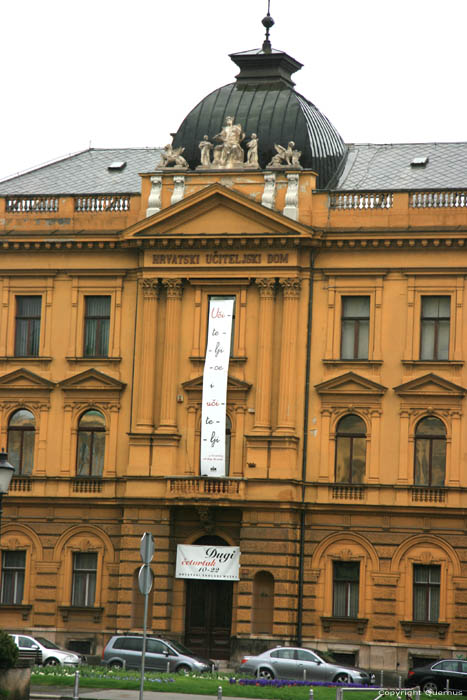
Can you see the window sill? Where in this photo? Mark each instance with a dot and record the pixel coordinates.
(359, 624)
(363, 363)
(25, 610)
(94, 360)
(428, 628)
(441, 364)
(25, 358)
(67, 610)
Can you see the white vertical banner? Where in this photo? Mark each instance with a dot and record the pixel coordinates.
(216, 369)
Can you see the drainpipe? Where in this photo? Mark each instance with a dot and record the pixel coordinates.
(301, 556)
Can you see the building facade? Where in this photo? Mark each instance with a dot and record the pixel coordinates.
(346, 483)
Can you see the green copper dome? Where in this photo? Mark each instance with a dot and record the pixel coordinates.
(264, 102)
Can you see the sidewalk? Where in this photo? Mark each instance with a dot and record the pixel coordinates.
(40, 692)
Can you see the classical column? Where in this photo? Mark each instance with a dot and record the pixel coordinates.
(147, 359)
(404, 448)
(264, 362)
(169, 368)
(287, 379)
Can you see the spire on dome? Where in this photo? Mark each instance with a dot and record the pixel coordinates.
(267, 23)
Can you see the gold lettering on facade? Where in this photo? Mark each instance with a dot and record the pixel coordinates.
(220, 259)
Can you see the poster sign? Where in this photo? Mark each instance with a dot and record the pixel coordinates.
(208, 562)
(216, 369)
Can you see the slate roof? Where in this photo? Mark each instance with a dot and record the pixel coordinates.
(387, 167)
(367, 167)
(86, 173)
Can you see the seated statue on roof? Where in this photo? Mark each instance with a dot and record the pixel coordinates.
(229, 153)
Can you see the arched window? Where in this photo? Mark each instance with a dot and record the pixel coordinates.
(430, 452)
(21, 433)
(263, 603)
(91, 444)
(350, 450)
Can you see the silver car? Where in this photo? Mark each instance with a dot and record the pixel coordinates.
(295, 663)
(125, 651)
(48, 652)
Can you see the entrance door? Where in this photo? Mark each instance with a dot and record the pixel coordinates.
(208, 618)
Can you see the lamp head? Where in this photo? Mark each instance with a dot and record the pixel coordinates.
(6, 473)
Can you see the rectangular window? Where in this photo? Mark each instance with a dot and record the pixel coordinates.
(84, 579)
(355, 328)
(426, 586)
(346, 580)
(13, 568)
(222, 298)
(96, 326)
(434, 328)
(28, 326)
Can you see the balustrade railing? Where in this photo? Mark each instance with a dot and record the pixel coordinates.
(428, 495)
(19, 205)
(438, 200)
(361, 200)
(348, 493)
(87, 486)
(106, 202)
(204, 486)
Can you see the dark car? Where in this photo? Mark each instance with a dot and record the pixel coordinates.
(295, 663)
(440, 675)
(125, 651)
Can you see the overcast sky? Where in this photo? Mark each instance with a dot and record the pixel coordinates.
(121, 73)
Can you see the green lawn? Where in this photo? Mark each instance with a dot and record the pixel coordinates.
(207, 684)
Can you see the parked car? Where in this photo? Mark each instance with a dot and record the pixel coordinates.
(297, 664)
(435, 676)
(124, 651)
(45, 651)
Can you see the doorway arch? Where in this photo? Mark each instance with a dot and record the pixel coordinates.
(208, 612)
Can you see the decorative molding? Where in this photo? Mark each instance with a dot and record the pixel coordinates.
(291, 197)
(428, 628)
(174, 287)
(154, 200)
(269, 192)
(290, 287)
(359, 624)
(150, 287)
(266, 287)
(179, 189)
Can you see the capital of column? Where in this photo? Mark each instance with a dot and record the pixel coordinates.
(266, 286)
(150, 287)
(174, 287)
(291, 287)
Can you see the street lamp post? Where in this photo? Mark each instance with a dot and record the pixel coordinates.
(6, 473)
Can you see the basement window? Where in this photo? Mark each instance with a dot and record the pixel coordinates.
(419, 162)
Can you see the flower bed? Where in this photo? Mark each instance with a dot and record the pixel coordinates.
(276, 683)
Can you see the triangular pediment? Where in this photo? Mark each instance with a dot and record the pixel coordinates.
(350, 383)
(24, 380)
(217, 210)
(430, 385)
(91, 380)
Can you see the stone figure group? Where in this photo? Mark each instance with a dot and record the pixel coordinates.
(227, 152)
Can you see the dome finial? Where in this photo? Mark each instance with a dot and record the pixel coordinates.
(267, 23)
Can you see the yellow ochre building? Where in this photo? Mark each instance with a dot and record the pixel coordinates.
(341, 471)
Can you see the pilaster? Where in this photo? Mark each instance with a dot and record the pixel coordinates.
(287, 379)
(266, 288)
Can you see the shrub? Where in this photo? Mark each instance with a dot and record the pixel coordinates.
(8, 651)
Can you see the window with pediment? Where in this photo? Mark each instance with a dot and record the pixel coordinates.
(21, 438)
(91, 444)
(430, 452)
(350, 450)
